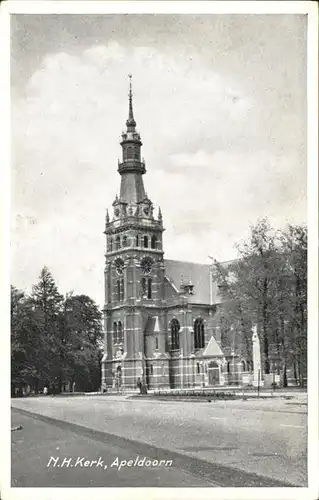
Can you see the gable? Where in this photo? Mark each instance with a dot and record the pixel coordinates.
(213, 348)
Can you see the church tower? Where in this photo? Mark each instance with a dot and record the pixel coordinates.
(134, 274)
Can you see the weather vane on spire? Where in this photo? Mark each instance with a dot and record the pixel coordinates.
(130, 120)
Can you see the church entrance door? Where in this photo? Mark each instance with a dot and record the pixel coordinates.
(213, 373)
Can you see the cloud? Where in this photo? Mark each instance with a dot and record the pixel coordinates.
(212, 163)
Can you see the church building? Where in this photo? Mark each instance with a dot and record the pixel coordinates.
(160, 316)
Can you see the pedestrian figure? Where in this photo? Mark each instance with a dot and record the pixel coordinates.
(139, 385)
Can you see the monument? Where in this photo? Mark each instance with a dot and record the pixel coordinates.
(257, 380)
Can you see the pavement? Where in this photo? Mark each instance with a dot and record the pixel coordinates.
(39, 449)
(235, 443)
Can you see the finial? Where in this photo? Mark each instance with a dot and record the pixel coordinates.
(130, 122)
(160, 217)
(107, 218)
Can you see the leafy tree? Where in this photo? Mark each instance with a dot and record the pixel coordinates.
(82, 335)
(294, 339)
(267, 286)
(25, 343)
(54, 339)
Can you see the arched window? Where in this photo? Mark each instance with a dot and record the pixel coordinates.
(198, 368)
(115, 333)
(124, 241)
(153, 242)
(199, 334)
(143, 286)
(149, 288)
(118, 242)
(120, 332)
(145, 241)
(121, 289)
(111, 245)
(129, 153)
(118, 290)
(175, 327)
(151, 369)
(244, 365)
(136, 240)
(136, 154)
(156, 342)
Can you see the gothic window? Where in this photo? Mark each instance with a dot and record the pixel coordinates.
(151, 369)
(115, 333)
(244, 366)
(121, 289)
(156, 342)
(175, 327)
(198, 368)
(199, 335)
(118, 290)
(130, 153)
(136, 154)
(143, 286)
(153, 242)
(136, 241)
(145, 241)
(111, 245)
(149, 288)
(120, 332)
(118, 242)
(124, 241)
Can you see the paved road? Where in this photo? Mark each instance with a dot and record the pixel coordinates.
(40, 447)
(231, 444)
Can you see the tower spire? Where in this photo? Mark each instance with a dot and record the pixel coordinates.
(130, 123)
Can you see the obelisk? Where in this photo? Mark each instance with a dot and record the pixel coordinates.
(256, 357)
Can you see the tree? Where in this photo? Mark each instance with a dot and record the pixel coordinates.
(82, 341)
(54, 339)
(267, 286)
(250, 285)
(48, 304)
(25, 346)
(294, 251)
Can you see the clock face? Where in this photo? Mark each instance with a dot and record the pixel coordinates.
(146, 265)
(117, 212)
(119, 266)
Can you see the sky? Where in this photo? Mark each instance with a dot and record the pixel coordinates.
(219, 101)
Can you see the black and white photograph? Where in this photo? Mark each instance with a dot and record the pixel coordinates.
(162, 197)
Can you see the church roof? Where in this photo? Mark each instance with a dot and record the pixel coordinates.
(213, 348)
(178, 271)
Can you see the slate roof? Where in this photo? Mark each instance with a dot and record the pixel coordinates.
(177, 271)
